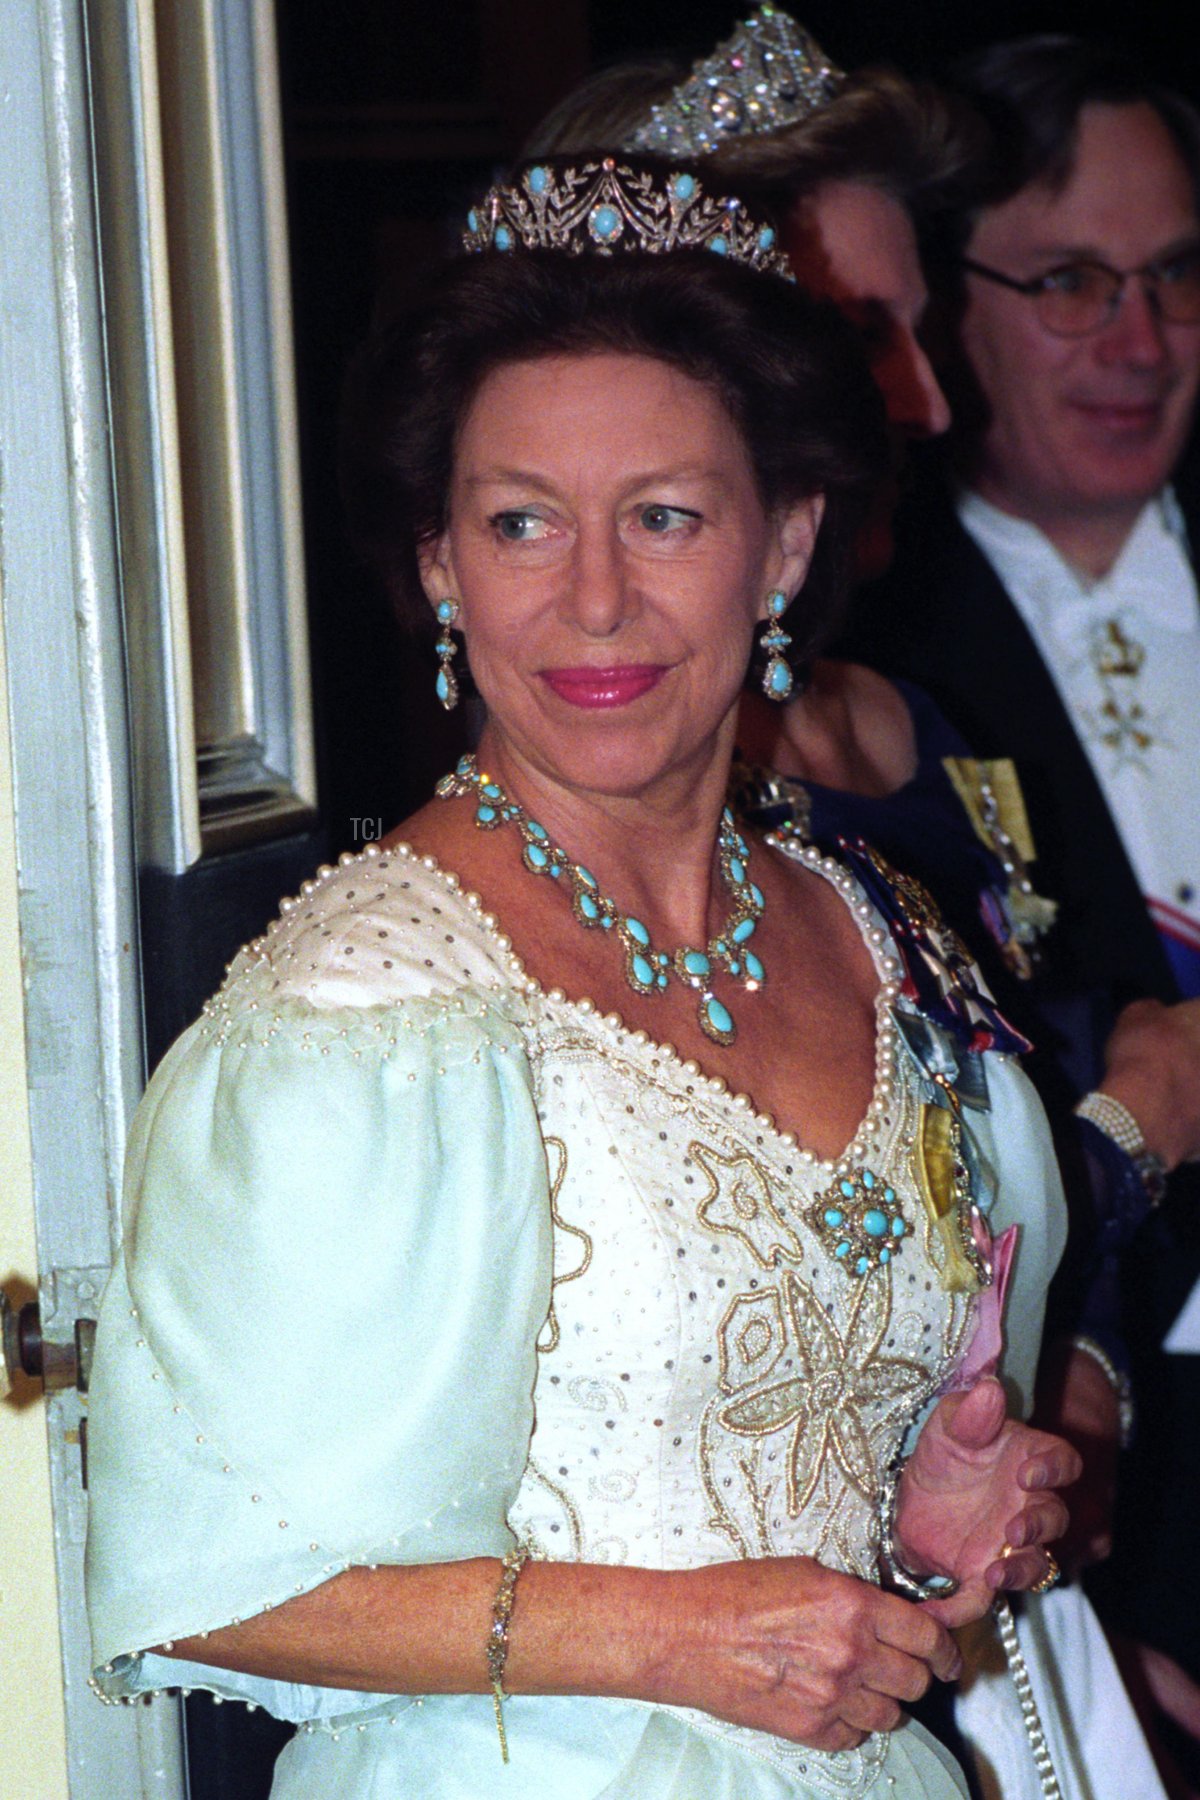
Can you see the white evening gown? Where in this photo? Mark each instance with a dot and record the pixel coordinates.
(419, 1255)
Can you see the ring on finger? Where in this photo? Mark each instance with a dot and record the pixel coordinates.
(1051, 1578)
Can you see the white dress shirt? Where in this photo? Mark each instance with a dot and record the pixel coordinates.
(1124, 653)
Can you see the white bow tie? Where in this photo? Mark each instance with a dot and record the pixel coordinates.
(1154, 587)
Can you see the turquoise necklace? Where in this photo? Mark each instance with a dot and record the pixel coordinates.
(647, 970)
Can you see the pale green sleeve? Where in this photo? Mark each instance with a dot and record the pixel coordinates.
(319, 1348)
(1015, 1139)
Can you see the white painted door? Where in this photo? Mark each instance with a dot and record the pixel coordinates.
(103, 629)
(72, 818)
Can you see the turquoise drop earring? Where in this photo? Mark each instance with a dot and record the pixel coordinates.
(447, 650)
(777, 676)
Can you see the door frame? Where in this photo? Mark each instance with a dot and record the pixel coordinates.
(115, 584)
(72, 818)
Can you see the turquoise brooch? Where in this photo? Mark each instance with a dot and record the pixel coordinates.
(647, 969)
(860, 1221)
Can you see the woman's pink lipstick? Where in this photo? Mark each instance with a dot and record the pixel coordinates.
(604, 687)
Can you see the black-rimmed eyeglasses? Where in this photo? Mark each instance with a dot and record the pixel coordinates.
(1077, 298)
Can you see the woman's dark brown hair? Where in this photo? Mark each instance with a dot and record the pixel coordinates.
(789, 371)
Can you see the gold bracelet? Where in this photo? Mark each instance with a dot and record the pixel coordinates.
(497, 1644)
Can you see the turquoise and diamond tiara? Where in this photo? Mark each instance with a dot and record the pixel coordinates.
(768, 74)
(606, 206)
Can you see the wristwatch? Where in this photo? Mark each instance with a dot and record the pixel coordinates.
(1118, 1123)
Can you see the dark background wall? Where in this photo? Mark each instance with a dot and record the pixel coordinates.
(396, 115)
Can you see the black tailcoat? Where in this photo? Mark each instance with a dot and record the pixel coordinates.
(942, 618)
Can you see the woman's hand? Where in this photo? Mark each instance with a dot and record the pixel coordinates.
(976, 1484)
(788, 1646)
(781, 1644)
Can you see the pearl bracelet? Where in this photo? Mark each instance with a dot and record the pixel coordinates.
(1117, 1380)
(1118, 1124)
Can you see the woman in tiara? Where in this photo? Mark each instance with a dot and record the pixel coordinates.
(662, 1192)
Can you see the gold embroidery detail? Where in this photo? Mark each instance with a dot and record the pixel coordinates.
(751, 1330)
(559, 1175)
(758, 1502)
(954, 1330)
(744, 1199)
(720, 1519)
(840, 1379)
(565, 1501)
(739, 1204)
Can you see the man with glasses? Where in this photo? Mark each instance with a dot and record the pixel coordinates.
(1049, 601)
(1047, 597)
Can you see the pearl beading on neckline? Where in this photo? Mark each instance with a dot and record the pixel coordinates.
(513, 979)
(664, 1056)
